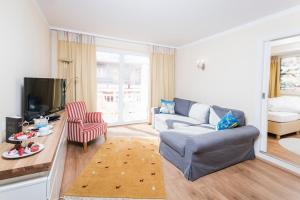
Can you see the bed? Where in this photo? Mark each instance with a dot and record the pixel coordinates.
(283, 123)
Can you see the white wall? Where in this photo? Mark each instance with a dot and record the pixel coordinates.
(24, 51)
(234, 64)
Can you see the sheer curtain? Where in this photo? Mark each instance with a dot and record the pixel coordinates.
(77, 64)
(274, 84)
(162, 63)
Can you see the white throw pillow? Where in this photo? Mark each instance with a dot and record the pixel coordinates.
(200, 112)
(213, 117)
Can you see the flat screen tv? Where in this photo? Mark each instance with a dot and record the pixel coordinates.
(43, 96)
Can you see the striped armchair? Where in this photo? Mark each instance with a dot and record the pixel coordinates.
(84, 126)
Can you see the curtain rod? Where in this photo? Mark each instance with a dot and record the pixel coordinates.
(109, 38)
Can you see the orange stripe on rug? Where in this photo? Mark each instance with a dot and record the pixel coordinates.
(122, 168)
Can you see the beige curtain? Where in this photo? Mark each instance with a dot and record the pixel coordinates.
(274, 85)
(162, 63)
(77, 64)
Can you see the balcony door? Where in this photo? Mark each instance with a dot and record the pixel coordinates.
(122, 86)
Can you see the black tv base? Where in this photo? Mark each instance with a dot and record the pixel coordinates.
(53, 117)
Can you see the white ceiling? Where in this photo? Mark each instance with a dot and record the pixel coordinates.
(168, 22)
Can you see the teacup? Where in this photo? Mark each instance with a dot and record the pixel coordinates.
(44, 130)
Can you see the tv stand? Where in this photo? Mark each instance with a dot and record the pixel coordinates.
(53, 117)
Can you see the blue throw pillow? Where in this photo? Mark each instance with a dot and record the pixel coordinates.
(167, 107)
(228, 121)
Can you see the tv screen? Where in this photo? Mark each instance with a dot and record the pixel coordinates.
(43, 96)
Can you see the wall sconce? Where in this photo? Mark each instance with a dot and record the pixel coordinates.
(201, 64)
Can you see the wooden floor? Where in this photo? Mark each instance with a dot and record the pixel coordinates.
(275, 149)
(248, 180)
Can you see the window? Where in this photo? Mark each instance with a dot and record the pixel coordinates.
(122, 86)
(290, 73)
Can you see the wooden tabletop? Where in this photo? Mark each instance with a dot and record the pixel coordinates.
(39, 162)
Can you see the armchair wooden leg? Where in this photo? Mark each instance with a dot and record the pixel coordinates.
(105, 135)
(278, 137)
(85, 147)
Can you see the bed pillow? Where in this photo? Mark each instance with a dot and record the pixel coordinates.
(228, 121)
(167, 107)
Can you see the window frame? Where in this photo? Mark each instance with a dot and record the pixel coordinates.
(122, 53)
(295, 91)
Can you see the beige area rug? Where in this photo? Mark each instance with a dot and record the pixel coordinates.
(123, 168)
(291, 144)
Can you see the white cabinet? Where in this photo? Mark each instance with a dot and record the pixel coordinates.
(41, 186)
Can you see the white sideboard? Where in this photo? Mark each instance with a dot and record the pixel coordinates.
(45, 182)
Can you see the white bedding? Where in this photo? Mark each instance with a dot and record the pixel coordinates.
(283, 116)
(284, 104)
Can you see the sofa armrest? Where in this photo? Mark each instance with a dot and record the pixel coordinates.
(93, 117)
(219, 139)
(155, 110)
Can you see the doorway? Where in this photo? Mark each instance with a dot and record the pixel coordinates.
(280, 113)
(122, 86)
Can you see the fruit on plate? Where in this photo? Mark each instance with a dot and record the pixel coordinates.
(17, 149)
(20, 149)
(17, 135)
(30, 144)
(34, 148)
(24, 135)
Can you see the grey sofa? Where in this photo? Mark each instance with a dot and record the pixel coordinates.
(194, 146)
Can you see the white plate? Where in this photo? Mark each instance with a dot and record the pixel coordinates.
(6, 155)
(41, 135)
(11, 138)
(50, 126)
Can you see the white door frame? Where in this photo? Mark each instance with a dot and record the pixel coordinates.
(264, 97)
(265, 84)
(263, 107)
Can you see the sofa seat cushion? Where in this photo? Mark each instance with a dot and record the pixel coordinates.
(176, 138)
(169, 121)
(193, 130)
(175, 141)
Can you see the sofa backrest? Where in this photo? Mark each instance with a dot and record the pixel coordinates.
(182, 106)
(217, 111)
